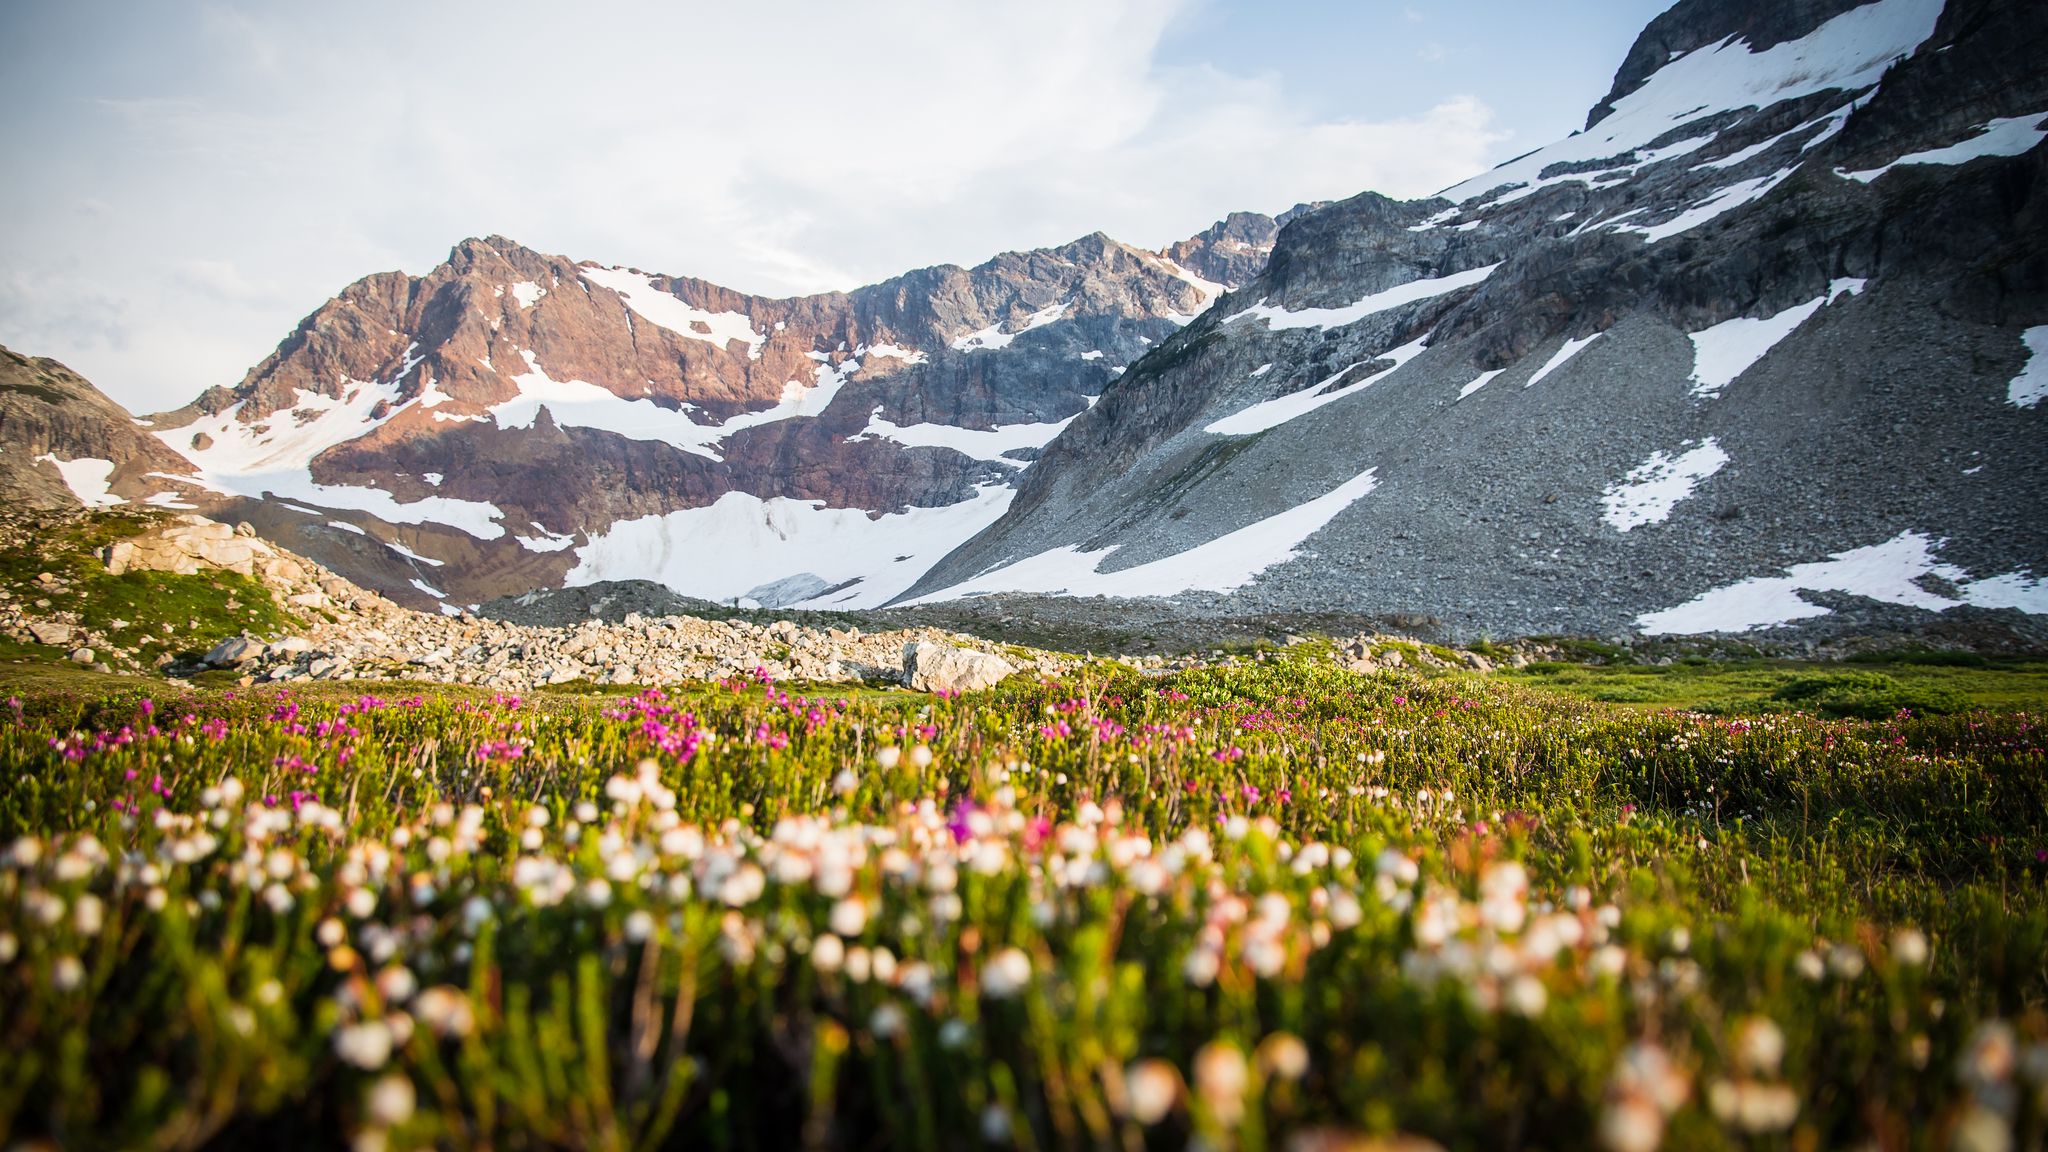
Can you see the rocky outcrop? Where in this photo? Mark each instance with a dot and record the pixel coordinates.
(189, 544)
(1745, 349)
(930, 666)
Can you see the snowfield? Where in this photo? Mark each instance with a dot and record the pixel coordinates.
(1280, 319)
(743, 542)
(87, 478)
(667, 310)
(1224, 564)
(1732, 347)
(1654, 487)
(1279, 410)
(1889, 573)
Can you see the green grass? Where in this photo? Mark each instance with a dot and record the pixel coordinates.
(1759, 686)
(161, 614)
(1083, 888)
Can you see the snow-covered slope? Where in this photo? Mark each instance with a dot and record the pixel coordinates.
(1753, 348)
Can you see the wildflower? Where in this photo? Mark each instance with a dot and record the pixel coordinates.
(366, 1045)
(88, 914)
(849, 916)
(1283, 1056)
(1526, 995)
(67, 973)
(1006, 974)
(1909, 947)
(1631, 1124)
(444, 1010)
(888, 756)
(1221, 1078)
(639, 925)
(1759, 1046)
(828, 953)
(390, 1101)
(887, 1021)
(1150, 1089)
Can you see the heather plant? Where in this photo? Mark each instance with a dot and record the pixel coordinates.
(1271, 905)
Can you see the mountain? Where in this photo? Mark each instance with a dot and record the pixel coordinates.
(514, 420)
(1764, 343)
(63, 442)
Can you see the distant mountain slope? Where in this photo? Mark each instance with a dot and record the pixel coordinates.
(514, 420)
(63, 442)
(1765, 341)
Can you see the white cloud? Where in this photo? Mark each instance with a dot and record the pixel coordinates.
(274, 155)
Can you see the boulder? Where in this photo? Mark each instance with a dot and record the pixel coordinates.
(50, 632)
(930, 667)
(233, 651)
(82, 656)
(187, 545)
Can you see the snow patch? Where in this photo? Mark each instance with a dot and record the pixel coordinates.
(667, 310)
(993, 337)
(892, 352)
(345, 526)
(2005, 136)
(1719, 203)
(411, 555)
(528, 293)
(545, 542)
(273, 457)
(1653, 488)
(1728, 349)
(1279, 319)
(429, 589)
(1224, 564)
(743, 542)
(1279, 410)
(1889, 573)
(579, 404)
(1481, 382)
(982, 444)
(2027, 388)
(1570, 349)
(87, 477)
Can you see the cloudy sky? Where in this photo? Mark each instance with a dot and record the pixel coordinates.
(186, 179)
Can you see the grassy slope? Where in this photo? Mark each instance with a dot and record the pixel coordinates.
(165, 614)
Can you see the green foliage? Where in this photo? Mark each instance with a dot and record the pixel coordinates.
(1868, 695)
(159, 613)
(1469, 906)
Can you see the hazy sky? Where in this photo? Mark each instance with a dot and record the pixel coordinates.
(185, 180)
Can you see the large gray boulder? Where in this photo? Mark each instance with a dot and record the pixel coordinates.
(234, 650)
(931, 667)
(50, 632)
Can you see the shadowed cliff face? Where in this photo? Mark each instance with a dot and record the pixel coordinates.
(1770, 308)
(510, 408)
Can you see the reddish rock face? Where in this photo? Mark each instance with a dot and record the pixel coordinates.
(48, 413)
(554, 400)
